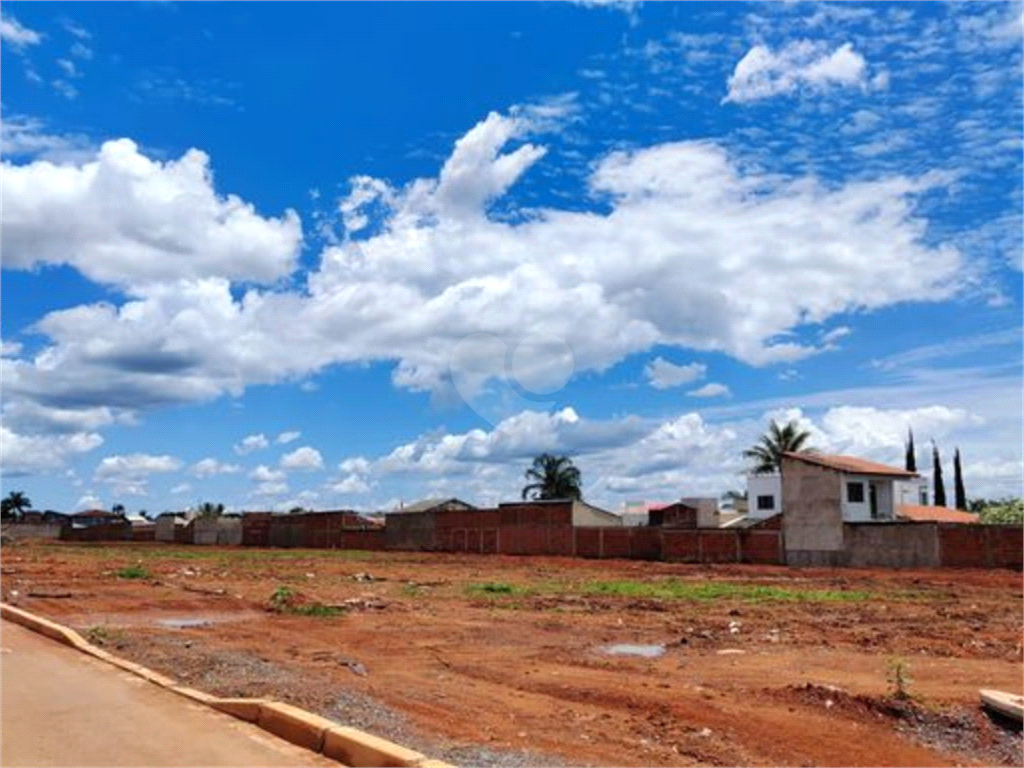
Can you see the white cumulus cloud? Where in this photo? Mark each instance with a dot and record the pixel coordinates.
(251, 443)
(303, 458)
(710, 390)
(123, 219)
(662, 374)
(16, 34)
(209, 467)
(763, 73)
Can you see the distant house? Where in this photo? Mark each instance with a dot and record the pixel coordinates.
(866, 489)
(56, 518)
(431, 505)
(91, 517)
(821, 492)
(678, 515)
(582, 514)
(707, 510)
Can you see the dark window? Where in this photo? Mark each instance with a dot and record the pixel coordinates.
(766, 502)
(855, 493)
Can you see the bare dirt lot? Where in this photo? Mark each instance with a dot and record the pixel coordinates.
(512, 661)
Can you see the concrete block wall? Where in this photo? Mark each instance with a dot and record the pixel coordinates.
(19, 531)
(813, 522)
(889, 545)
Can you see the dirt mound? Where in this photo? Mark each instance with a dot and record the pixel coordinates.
(959, 730)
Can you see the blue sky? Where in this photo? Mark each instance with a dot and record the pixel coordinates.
(342, 255)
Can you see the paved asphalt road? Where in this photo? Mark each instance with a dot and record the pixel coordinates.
(60, 707)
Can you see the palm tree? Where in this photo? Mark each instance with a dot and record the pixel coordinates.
(553, 477)
(14, 505)
(767, 454)
(207, 509)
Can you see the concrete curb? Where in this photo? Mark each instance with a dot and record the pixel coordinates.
(348, 746)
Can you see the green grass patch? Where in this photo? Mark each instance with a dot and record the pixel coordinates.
(287, 600)
(721, 590)
(498, 589)
(134, 572)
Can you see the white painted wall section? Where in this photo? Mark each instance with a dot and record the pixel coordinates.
(760, 487)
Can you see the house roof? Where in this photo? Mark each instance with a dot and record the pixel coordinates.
(850, 464)
(921, 514)
(425, 505)
(96, 513)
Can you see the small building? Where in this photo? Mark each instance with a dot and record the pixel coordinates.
(707, 510)
(431, 505)
(678, 515)
(93, 517)
(821, 492)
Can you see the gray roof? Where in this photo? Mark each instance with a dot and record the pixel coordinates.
(425, 505)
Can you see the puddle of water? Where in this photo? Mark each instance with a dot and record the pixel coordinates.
(183, 623)
(630, 649)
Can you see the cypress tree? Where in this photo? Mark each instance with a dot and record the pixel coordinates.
(940, 488)
(958, 482)
(911, 458)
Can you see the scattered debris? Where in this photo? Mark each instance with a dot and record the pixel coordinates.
(204, 590)
(364, 603)
(734, 627)
(631, 649)
(730, 651)
(363, 576)
(354, 666)
(53, 595)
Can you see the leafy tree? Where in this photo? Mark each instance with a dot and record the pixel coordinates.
(940, 488)
(1003, 512)
(958, 482)
(14, 505)
(117, 509)
(910, 462)
(296, 511)
(553, 477)
(207, 509)
(734, 496)
(767, 454)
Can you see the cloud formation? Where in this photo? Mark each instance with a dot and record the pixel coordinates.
(763, 72)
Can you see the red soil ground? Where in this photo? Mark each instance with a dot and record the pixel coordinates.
(763, 665)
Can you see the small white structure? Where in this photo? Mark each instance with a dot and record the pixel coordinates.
(764, 495)
(911, 493)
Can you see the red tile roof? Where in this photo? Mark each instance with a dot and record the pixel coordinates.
(921, 514)
(850, 464)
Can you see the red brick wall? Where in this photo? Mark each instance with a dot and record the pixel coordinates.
(256, 530)
(981, 546)
(588, 542)
(144, 533)
(719, 546)
(761, 546)
(644, 544)
(615, 542)
(680, 545)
